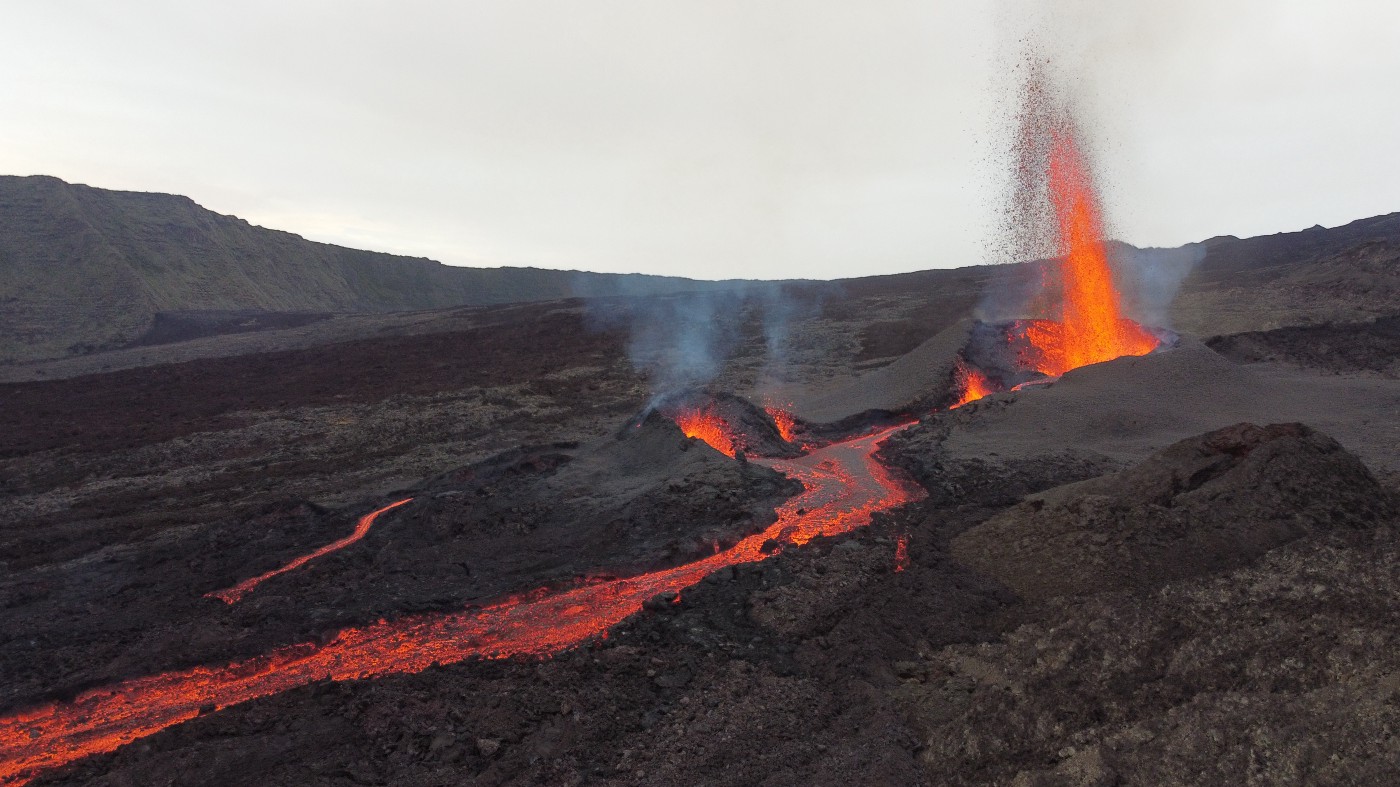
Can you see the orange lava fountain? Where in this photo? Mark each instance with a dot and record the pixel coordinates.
(783, 420)
(843, 485)
(1091, 327)
(233, 594)
(971, 383)
(707, 425)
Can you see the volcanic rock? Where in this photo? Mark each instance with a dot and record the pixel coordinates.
(920, 377)
(1369, 346)
(88, 269)
(1204, 504)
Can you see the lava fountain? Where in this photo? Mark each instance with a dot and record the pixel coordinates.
(705, 423)
(1091, 326)
(1056, 208)
(843, 485)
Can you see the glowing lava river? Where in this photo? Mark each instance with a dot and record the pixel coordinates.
(843, 486)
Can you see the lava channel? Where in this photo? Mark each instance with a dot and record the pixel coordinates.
(233, 594)
(843, 485)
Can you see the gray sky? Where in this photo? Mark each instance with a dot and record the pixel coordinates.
(705, 138)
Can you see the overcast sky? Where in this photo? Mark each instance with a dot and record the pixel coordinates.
(706, 138)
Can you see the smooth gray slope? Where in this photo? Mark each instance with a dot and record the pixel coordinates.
(83, 269)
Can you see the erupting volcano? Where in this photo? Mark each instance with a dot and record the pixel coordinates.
(1080, 319)
(1090, 327)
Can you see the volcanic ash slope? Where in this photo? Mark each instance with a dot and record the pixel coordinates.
(1127, 408)
(917, 379)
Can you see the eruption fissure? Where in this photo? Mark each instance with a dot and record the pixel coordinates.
(706, 424)
(843, 485)
(233, 594)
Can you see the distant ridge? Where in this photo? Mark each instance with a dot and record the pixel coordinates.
(85, 269)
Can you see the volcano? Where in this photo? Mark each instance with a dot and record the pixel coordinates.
(586, 581)
(926, 531)
(1083, 320)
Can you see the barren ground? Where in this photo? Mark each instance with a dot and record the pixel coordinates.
(130, 492)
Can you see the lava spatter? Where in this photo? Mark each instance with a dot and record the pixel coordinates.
(843, 485)
(783, 421)
(706, 424)
(970, 383)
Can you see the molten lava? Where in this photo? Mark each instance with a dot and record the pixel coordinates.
(1090, 326)
(706, 424)
(843, 485)
(901, 554)
(233, 594)
(783, 420)
(971, 384)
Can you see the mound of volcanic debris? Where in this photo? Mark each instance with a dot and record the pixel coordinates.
(1240, 627)
(730, 424)
(917, 380)
(1207, 503)
(1346, 347)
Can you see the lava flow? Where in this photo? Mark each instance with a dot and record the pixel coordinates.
(843, 485)
(233, 594)
(706, 424)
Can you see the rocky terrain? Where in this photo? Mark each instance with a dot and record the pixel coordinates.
(1173, 569)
